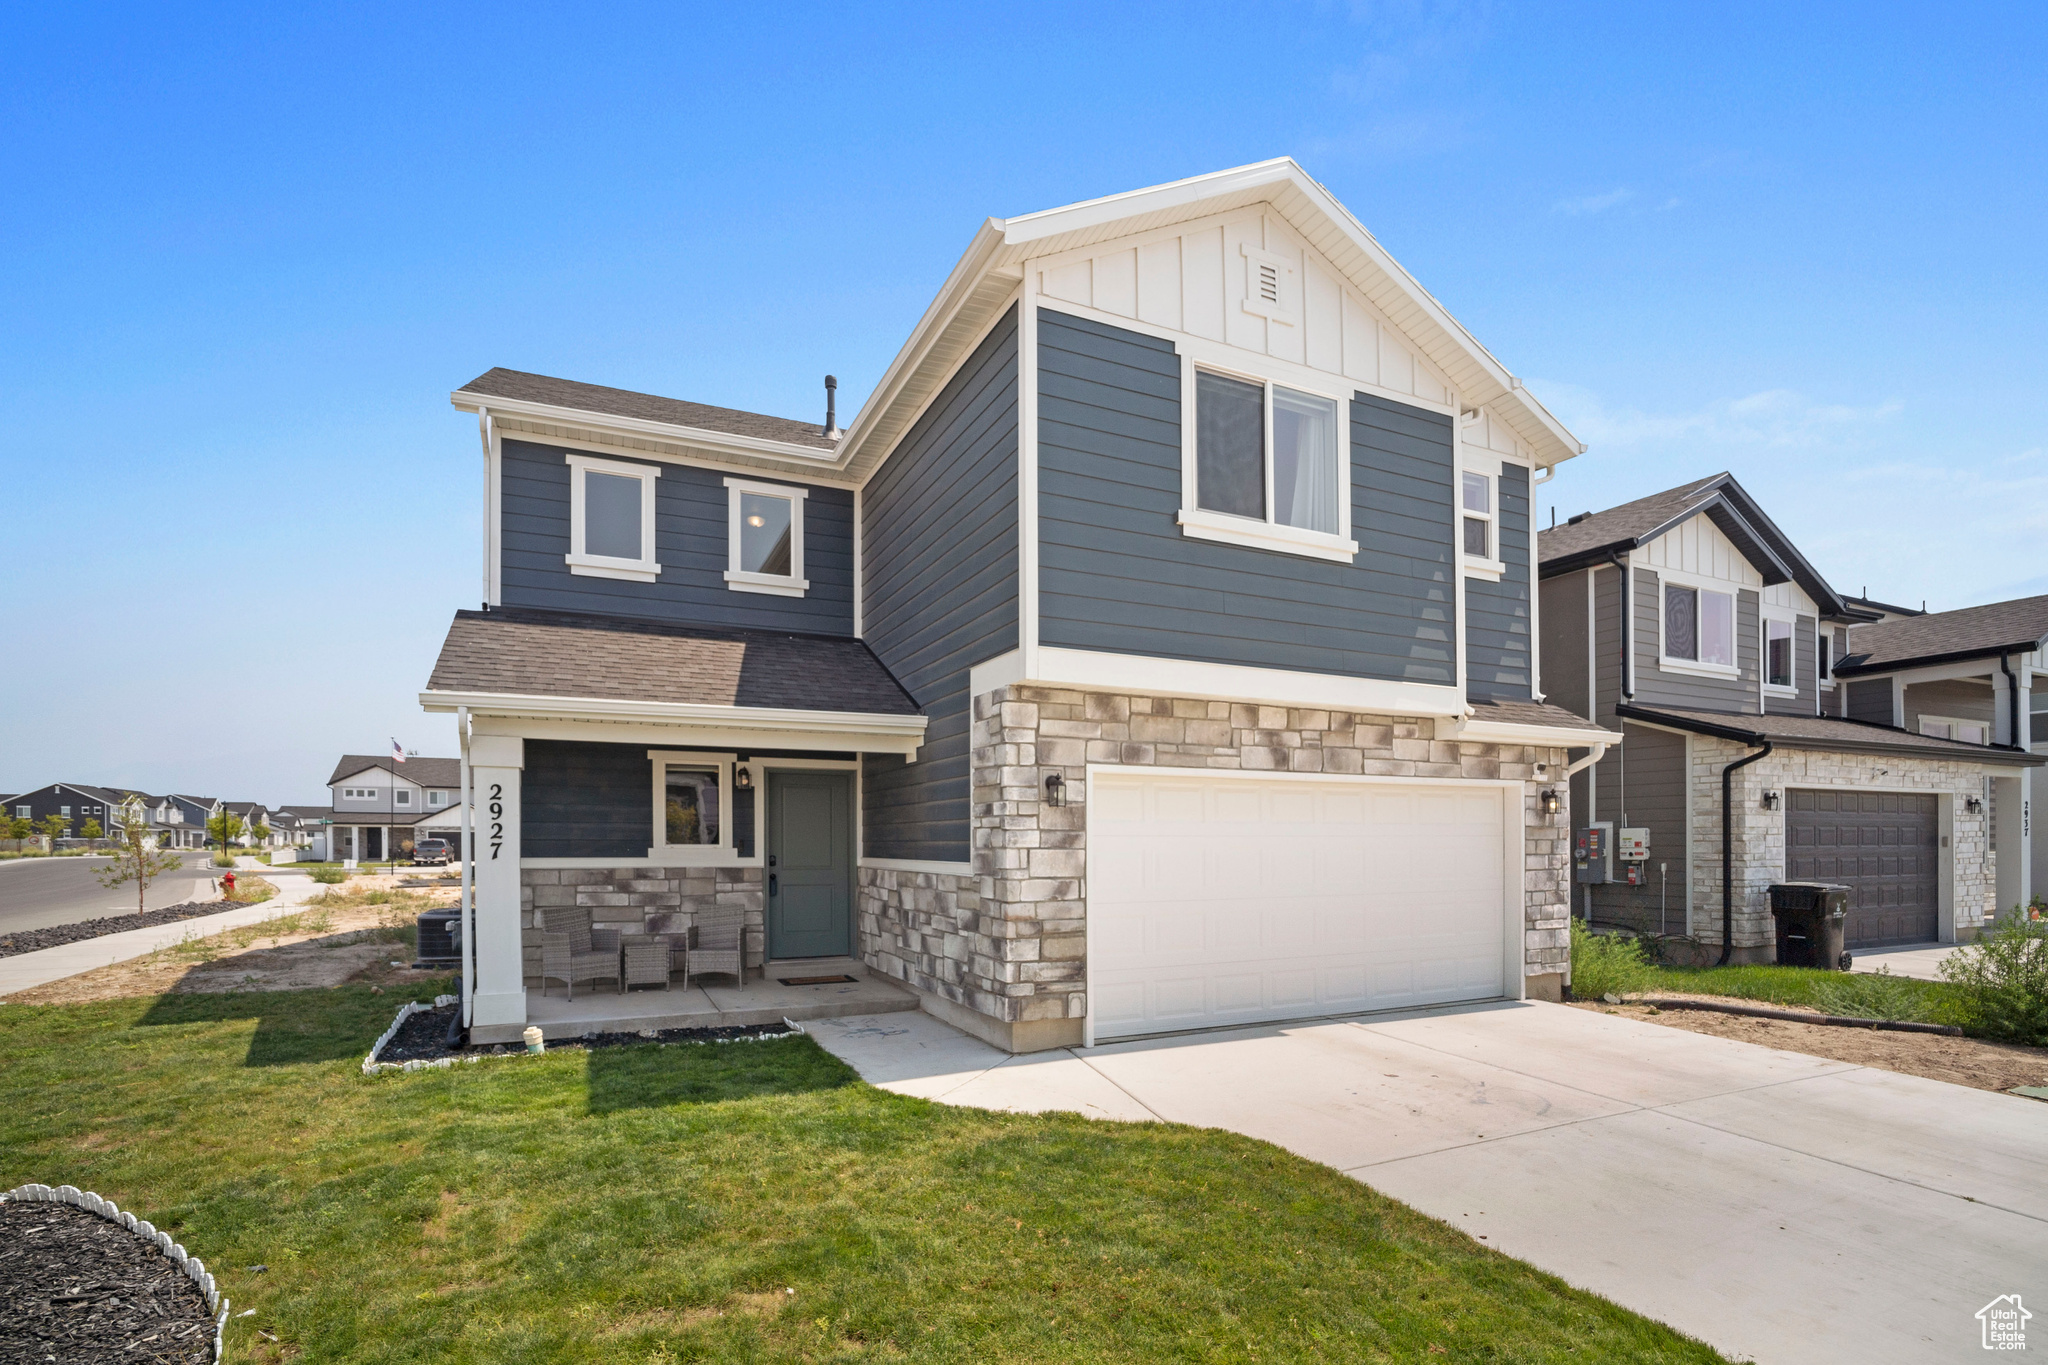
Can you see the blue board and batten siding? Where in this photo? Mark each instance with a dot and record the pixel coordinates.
(939, 546)
(690, 543)
(1497, 663)
(1116, 574)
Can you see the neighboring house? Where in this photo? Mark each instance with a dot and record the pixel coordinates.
(1965, 675)
(381, 804)
(309, 826)
(193, 813)
(77, 802)
(1154, 650)
(1732, 647)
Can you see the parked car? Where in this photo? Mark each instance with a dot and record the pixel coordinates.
(431, 851)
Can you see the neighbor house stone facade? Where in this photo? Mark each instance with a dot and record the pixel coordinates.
(1757, 841)
(1002, 951)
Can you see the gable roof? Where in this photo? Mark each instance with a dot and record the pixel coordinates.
(1593, 538)
(424, 772)
(572, 396)
(1940, 637)
(980, 288)
(1833, 733)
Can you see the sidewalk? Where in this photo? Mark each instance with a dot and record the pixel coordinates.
(26, 970)
(1923, 962)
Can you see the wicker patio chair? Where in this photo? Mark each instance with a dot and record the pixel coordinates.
(572, 951)
(718, 948)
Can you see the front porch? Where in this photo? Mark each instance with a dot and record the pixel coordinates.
(713, 1003)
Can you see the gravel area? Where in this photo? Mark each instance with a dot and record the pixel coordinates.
(75, 1288)
(30, 940)
(423, 1038)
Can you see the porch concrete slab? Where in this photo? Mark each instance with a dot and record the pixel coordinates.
(605, 1010)
(1922, 961)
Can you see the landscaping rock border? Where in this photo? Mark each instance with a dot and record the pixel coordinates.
(194, 1268)
(57, 935)
(686, 1036)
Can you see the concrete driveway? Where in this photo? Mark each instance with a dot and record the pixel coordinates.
(1782, 1207)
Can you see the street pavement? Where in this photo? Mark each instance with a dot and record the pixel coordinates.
(36, 893)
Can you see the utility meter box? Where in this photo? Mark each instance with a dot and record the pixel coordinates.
(1593, 855)
(1632, 844)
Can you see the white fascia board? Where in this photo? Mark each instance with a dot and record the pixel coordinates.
(1153, 676)
(721, 442)
(678, 713)
(1502, 732)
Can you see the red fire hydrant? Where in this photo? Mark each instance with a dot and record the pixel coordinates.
(227, 886)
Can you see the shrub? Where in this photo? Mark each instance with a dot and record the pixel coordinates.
(329, 876)
(223, 859)
(1607, 964)
(1871, 995)
(2001, 982)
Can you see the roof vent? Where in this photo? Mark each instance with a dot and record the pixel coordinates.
(1574, 521)
(831, 406)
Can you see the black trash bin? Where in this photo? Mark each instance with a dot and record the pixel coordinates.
(440, 938)
(1812, 918)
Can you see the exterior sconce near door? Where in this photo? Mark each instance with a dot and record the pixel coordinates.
(1770, 800)
(1055, 790)
(743, 778)
(1550, 801)
(1974, 805)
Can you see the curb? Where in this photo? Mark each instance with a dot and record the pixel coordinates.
(194, 1268)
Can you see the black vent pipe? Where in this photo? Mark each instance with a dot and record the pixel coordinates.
(1727, 850)
(831, 404)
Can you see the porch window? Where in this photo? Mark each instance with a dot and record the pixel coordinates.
(611, 519)
(765, 538)
(1699, 626)
(1265, 468)
(1778, 654)
(693, 822)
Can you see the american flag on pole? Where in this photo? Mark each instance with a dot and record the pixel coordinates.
(397, 751)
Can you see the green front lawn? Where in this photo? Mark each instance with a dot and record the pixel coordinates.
(655, 1205)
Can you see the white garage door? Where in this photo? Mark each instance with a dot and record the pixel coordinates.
(1218, 900)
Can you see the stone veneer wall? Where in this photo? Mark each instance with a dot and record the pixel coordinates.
(623, 898)
(1007, 943)
(1757, 845)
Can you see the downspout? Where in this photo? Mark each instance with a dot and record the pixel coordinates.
(2012, 693)
(1626, 592)
(1727, 850)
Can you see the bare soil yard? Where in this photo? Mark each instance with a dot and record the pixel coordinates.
(1960, 1061)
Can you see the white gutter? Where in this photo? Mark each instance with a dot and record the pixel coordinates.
(722, 442)
(689, 713)
(1599, 752)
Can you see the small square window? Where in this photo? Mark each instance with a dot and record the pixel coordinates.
(436, 798)
(403, 798)
(765, 538)
(611, 519)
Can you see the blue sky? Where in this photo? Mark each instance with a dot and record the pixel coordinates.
(248, 252)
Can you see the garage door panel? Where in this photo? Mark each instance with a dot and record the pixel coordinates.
(1888, 857)
(1223, 901)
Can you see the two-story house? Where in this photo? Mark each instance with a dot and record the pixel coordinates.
(382, 805)
(1155, 650)
(78, 804)
(1727, 662)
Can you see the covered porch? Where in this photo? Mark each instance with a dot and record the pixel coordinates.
(797, 990)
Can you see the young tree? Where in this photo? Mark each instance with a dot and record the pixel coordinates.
(18, 827)
(261, 833)
(55, 827)
(225, 828)
(91, 830)
(136, 858)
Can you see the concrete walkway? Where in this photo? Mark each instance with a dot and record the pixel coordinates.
(1784, 1208)
(24, 971)
(1922, 961)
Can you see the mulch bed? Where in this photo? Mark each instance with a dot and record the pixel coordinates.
(30, 940)
(77, 1288)
(423, 1038)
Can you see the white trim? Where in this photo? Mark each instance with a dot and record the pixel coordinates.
(1488, 565)
(595, 444)
(631, 731)
(1201, 524)
(724, 853)
(1027, 470)
(791, 584)
(889, 733)
(1506, 732)
(579, 559)
(1725, 671)
(1514, 839)
(1458, 655)
(1265, 533)
(1086, 668)
(1536, 610)
(494, 519)
(1285, 307)
(1698, 667)
(859, 569)
(1000, 671)
(1490, 570)
(721, 442)
(919, 865)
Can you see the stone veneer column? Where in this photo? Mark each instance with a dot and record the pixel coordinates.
(496, 762)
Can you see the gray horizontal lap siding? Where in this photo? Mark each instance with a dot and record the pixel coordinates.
(1643, 785)
(939, 554)
(690, 544)
(1497, 614)
(1116, 574)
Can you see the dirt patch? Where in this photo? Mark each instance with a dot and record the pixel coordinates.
(319, 945)
(1959, 1061)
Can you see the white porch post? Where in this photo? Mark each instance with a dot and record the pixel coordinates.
(495, 763)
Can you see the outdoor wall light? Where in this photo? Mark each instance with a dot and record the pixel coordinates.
(743, 778)
(1974, 805)
(1551, 802)
(1770, 800)
(1055, 790)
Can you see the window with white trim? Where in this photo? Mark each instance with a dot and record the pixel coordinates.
(358, 793)
(692, 808)
(402, 797)
(765, 538)
(1778, 653)
(1948, 727)
(24, 812)
(1476, 504)
(1265, 467)
(436, 798)
(611, 519)
(1824, 657)
(1699, 626)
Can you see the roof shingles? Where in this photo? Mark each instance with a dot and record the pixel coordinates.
(647, 407)
(2016, 625)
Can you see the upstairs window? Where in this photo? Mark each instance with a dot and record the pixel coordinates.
(402, 797)
(1699, 627)
(358, 794)
(436, 798)
(1266, 468)
(1948, 727)
(1476, 501)
(1824, 658)
(611, 519)
(765, 538)
(1778, 654)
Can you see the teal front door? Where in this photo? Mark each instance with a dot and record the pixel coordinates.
(810, 864)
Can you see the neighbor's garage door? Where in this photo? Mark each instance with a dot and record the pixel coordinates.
(1884, 846)
(1225, 901)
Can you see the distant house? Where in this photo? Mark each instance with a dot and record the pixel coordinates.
(381, 804)
(75, 803)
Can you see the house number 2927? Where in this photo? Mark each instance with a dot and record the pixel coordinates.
(497, 818)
